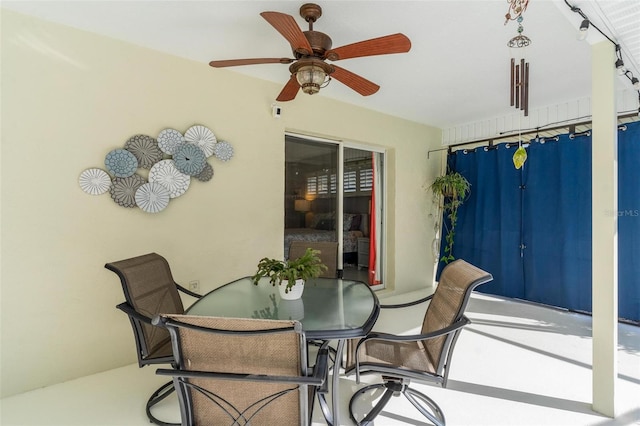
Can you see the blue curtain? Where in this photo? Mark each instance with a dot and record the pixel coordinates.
(557, 223)
(488, 228)
(629, 222)
(531, 228)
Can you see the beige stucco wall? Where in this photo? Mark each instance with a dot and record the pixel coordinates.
(68, 98)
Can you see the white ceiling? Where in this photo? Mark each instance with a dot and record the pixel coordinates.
(456, 72)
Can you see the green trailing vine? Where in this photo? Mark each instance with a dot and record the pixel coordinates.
(450, 191)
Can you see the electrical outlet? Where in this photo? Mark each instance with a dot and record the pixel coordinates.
(194, 285)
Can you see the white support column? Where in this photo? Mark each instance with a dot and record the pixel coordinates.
(604, 229)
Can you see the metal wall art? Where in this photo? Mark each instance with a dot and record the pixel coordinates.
(165, 173)
(145, 149)
(95, 181)
(171, 159)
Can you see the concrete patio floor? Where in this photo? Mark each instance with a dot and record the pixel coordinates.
(516, 364)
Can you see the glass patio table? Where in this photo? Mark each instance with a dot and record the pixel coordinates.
(330, 309)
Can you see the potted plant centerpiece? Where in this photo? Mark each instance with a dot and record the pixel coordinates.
(449, 192)
(291, 274)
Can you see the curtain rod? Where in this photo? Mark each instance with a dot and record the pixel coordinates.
(531, 131)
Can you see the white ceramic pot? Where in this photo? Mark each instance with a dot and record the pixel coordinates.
(294, 292)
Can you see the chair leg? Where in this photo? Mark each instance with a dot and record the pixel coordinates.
(377, 409)
(324, 406)
(433, 413)
(423, 403)
(160, 394)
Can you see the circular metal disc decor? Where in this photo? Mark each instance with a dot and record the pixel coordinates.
(223, 151)
(189, 159)
(169, 139)
(166, 174)
(121, 163)
(206, 174)
(94, 181)
(146, 150)
(123, 190)
(201, 136)
(152, 197)
(172, 160)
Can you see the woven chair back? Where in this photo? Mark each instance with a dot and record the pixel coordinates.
(150, 289)
(457, 281)
(220, 402)
(328, 254)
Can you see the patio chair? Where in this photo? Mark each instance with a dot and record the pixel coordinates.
(149, 290)
(239, 371)
(328, 254)
(329, 257)
(425, 357)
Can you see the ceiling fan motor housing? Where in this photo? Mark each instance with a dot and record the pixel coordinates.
(320, 43)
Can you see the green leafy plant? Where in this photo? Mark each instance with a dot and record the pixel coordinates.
(450, 191)
(305, 267)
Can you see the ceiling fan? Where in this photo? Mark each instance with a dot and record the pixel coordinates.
(311, 49)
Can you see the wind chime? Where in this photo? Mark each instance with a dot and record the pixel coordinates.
(519, 83)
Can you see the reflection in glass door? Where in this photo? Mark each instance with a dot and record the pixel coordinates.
(311, 195)
(315, 197)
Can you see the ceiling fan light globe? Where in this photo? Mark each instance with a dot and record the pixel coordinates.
(310, 89)
(311, 78)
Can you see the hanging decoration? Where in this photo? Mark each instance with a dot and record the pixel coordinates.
(519, 84)
(520, 156)
(519, 76)
(516, 9)
(171, 159)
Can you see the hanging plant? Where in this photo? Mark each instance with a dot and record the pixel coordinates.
(450, 191)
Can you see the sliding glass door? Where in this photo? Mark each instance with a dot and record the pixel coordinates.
(336, 189)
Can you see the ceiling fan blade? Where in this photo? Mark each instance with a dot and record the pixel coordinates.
(289, 91)
(354, 81)
(255, 61)
(394, 43)
(286, 25)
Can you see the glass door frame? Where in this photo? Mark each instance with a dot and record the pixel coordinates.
(342, 144)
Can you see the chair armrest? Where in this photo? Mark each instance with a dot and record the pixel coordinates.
(187, 291)
(301, 380)
(127, 309)
(404, 305)
(414, 337)
(407, 338)
(319, 377)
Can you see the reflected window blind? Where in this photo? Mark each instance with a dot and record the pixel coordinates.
(350, 181)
